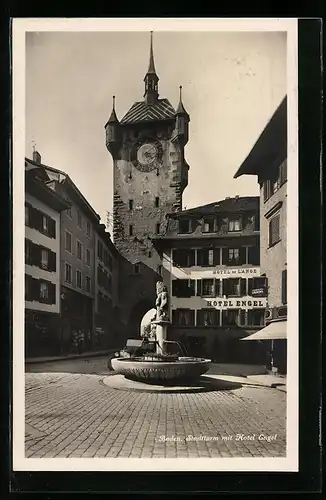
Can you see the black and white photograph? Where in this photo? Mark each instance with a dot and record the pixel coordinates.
(156, 273)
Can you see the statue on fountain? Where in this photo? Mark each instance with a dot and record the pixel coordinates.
(162, 302)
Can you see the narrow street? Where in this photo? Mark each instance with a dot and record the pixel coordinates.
(70, 412)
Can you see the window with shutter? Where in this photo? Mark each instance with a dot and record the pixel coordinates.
(51, 228)
(284, 287)
(253, 255)
(225, 287)
(234, 287)
(27, 215)
(44, 258)
(242, 255)
(52, 293)
(35, 290)
(243, 287)
(225, 256)
(250, 286)
(208, 287)
(36, 255)
(274, 230)
(217, 256)
(44, 292)
(28, 252)
(52, 261)
(28, 287)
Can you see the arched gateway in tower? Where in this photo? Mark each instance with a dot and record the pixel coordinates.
(149, 176)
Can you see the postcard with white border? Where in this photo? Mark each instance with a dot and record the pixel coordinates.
(155, 279)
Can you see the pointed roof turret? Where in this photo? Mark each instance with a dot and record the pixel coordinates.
(151, 66)
(180, 109)
(151, 79)
(113, 118)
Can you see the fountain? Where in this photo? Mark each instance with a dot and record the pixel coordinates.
(148, 359)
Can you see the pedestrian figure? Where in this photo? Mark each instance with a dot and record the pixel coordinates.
(80, 341)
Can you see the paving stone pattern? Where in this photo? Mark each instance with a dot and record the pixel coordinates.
(76, 415)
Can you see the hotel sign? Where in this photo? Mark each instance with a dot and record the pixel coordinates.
(250, 271)
(237, 304)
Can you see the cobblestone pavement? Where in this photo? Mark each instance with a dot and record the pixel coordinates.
(97, 365)
(76, 415)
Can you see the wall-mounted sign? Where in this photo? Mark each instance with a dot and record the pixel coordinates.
(237, 304)
(212, 272)
(245, 302)
(230, 272)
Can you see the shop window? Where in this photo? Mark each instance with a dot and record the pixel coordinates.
(183, 288)
(256, 317)
(183, 317)
(208, 317)
(274, 230)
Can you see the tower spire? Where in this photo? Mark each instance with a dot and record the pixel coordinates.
(151, 79)
(180, 109)
(151, 66)
(113, 117)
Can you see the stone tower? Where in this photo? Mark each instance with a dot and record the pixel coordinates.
(150, 171)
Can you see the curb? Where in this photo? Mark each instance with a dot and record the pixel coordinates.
(84, 355)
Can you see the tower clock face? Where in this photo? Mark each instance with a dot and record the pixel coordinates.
(146, 156)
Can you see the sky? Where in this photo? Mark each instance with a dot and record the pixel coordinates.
(232, 83)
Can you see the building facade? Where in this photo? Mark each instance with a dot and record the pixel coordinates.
(107, 310)
(150, 174)
(268, 160)
(212, 270)
(78, 278)
(43, 209)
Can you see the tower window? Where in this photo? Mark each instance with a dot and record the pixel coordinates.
(158, 228)
(131, 204)
(131, 230)
(157, 202)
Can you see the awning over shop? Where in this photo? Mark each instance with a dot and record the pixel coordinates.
(273, 331)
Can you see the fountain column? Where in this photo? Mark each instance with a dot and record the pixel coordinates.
(161, 334)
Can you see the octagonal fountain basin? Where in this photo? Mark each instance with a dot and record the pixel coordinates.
(161, 371)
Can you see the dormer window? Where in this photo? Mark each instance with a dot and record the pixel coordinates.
(184, 226)
(208, 225)
(235, 224)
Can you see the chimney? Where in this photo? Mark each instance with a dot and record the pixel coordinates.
(37, 157)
